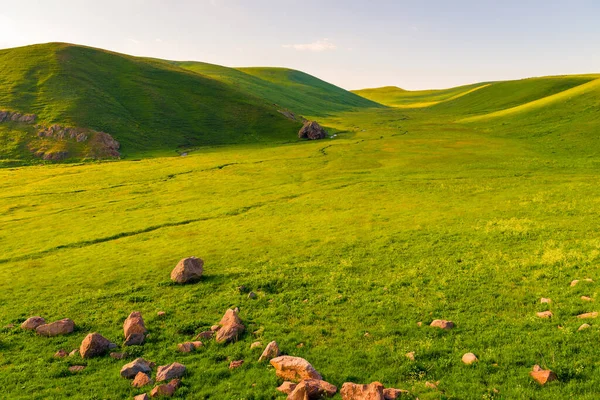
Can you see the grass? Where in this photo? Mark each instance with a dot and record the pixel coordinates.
(408, 215)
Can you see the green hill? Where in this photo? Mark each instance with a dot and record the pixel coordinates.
(286, 88)
(149, 106)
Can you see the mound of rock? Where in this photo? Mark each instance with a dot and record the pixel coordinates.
(294, 369)
(62, 327)
(188, 270)
(312, 131)
(231, 327)
(134, 329)
(94, 345)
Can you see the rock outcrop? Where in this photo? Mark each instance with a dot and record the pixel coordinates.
(188, 270)
(312, 131)
(294, 369)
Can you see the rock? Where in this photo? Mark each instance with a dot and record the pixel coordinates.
(353, 391)
(161, 314)
(76, 368)
(583, 327)
(32, 323)
(60, 354)
(542, 376)
(442, 324)
(170, 371)
(117, 356)
(432, 385)
(545, 300)
(287, 387)
(236, 364)
(312, 389)
(270, 352)
(141, 380)
(544, 314)
(188, 347)
(130, 370)
(410, 355)
(242, 289)
(62, 327)
(252, 295)
(215, 328)
(469, 358)
(312, 130)
(9, 326)
(574, 282)
(103, 145)
(255, 345)
(134, 325)
(588, 315)
(586, 298)
(142, 396)
(188, 270)
(112, 346)
(94, 345)
(231, 327)
(205, 335)
(393, 394)
(74, 352)
(162, 390)
(419, 324)
(294, 368)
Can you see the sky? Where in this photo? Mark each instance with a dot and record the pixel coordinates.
(418, 44)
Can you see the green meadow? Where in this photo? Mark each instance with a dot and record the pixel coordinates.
(468, 204)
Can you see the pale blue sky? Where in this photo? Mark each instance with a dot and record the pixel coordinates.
(352, 43)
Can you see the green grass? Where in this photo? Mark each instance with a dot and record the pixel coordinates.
(408, 215)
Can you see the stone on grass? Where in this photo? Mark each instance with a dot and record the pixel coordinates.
(586, 298)
(255, 345)
(542, 376)
(161, 314)
(236, 364)
(252, 295)
(215, 328)
(432, 385)
(117, 356)
(188, 347)
(312, 131)
(204, 335)
(188, 270)
(166, 390)
(287, 387)
(231, 327)
(469, 358)
(130, 370)
(270, 352)
(94, 345)
(584, 327)
(141, 379)
(312, 389)
(62, 327)
(294, 368)
(142, 396)
(353, 391)
(574, 282)
(135, 339)
(394, 394)
(134, 329)
(74, 352)
(60, 354)
(588, 315)
(171, 371)
(410, 355)
(76, 368)
(544, 314)
(545, 300)
(32, 323)
(442, 324)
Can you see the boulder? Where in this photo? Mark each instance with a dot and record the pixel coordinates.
(61, 354)
(166, 390)
(236, 364)
(442, 324)
(161, 314)
(393, 394)
(231, 327)
(188, 270)
(76, 368)
(588, 315)
(312, 131)
(270, 352)
(117, 356)
(62, 327)
(130, 370)
(469, 358)
(94, 345)
(353, 391)
(287, 387)
(255, 345)
(32, 323)
(432, 385)
(544, 314)
(586, 298)
(583, 327)
(410, 355)
(188, 347)
(205, 335)
(294, 368)
(171, 371)
(312, 389)
(545, 300)
(142, 396)
(134, 329)
(141, 379)
(542, 376)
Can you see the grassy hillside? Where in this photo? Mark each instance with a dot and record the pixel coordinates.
(288, 89)
(148, 105)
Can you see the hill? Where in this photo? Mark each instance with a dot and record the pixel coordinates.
(286, 88)
(149, 106)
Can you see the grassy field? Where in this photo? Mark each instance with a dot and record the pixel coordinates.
(410, 214)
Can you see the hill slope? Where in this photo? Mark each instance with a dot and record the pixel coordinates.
(288, 89)
(147, 105)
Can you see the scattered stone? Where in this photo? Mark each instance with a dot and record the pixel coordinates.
(544, 314)
(130, 370)
(270, 352)
(574, 282)
(252, 295)
(294, 368)
(287, 387)
(588, 315)
(171, 371)
(161, 314)
(188, 347)
(166, 390)
(141, 379)
(394, 394)
(62, 327)
(586, 298)
(134, 329)
(312, 389)
(255, 345)
(204, 335)
(236, 364)
(545, 300)
(542, 376)
(419, 324)
(76, 368)
(312, 130)
(74, 352)
(410, 355)
(353, 391)
(584, 327)
(61, 354)
(442, 324)
(188, 270)
(469, 358)
(432, 385)
(33, 322)
(94, 345)
(117, 356)
(142, 396)
(231, 327)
